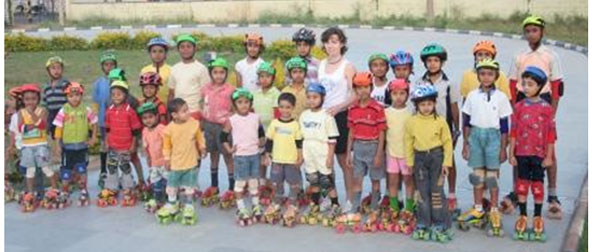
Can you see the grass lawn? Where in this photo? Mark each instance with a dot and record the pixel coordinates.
(583, 243)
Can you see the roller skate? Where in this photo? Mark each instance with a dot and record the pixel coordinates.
(453, 208)
(371, 224)
(188, 215)
(50, 200)
(266, 194)
(365, 204)
(28, 202)
(167, 213)
(63, 200)
(348, 221)
(144, 191)
(210, 196)
(151, 206)
(84, 198)
(227, 200)
(389, 220)
(554, 209)
(272, 214)
(290, 216)
(129, 199)
(507, 206)
(407, 222)
(107, 197)
(473, 217)
(310, 215)
(328, 219)
(441, 235)
(243, 217)
(421, 233)
(495, 228)
(537, 233)
(384, 204)
(303, 199)
(257, 213)
(520, 232)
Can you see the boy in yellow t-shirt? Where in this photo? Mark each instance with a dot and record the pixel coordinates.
(484, 49)
(158, 49)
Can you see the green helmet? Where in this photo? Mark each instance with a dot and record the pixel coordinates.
(108, 56)
(147, 107)
(378, 56)
(534, 20)
(434, 50)
(239, 92)
(218, 62)
(296, 62)
(116, 74)
(266, 67)
(488, 64)
(185, 37)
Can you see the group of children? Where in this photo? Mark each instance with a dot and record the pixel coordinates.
(400, 131)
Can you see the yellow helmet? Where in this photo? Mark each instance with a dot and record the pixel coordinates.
(120, 84)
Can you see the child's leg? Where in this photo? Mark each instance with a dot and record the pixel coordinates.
(537, 185)
(293, 177)
(422, 180)
(112, 166)
(51, 176)
(313, 181)
(477, 179)
(135, 159)
(523, 183)
(277, 178)
(239, 193)
(214, 168)
(327, 184)
(439, 207)
(126, 176)
(357, 174)
(103, 151)
(393, 190)
(410, 191)
(30, 179)
(253, 190)
(229, 163)
(491, 182)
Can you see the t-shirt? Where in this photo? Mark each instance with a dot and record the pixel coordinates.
(336, 85)
(244, 133)
(34, 133)
(423, 133)
(75, 124)
(378, 93)
(121, 121)
(284, 136)
(396, 121)
(470, 82)
(53, 97)
(101, 97)
(164, 71)
(180, 144)
(448, 93)
(152, 140)
(544, 58)
(263, 104)
(312, 71)
(217, 102)
(487, 110)
(318, 126)
(186, 80)
(249, 74)
(14, 128)
(300, 95)
(533, 127)
(366, 122)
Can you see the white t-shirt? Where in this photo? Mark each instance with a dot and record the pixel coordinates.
(486, 113)
(186, 80)
(442, 86)
(378, 93)
(248, 73)
(336, 84)
(14, 128)
(318, 126)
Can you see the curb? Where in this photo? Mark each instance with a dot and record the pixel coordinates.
(571, 240)
(569, 46)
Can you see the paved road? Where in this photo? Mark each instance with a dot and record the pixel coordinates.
(116, 229)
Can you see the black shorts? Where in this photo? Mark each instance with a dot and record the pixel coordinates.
(341, 119)
(530, 168)
(72, 158)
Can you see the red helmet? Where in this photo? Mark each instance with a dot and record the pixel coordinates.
(30, 87)
(73, 87)
(150, 78)
(15, 91)
(363, 79)
(399, 84)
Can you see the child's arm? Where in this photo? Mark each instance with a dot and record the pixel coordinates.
(269, 144)
(455, 121)
(409, 148)
(379, 155)
(503, 138)
(238, 79)
(200, 143)
(548, 160)
(349, 148)
(446, 138)
(94, 137)
(261, 136)
(511, 152)
(466, 132)
(330, 151)
(299, 141)
(225, 138)
(167, 147)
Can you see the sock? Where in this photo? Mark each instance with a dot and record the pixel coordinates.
(262, 181)
(451, 195)
(334, 201)
(240, 204)
(189, 199)
(255, 200)
(523, 208)
(231, 181)
(375, 196)
(172, 198)
(410, 204)
(479, 207)
(356, 201)
(214, 177)
(315, 198)
(551, 191)
(394, 203)
(103, 156)
(537, 210)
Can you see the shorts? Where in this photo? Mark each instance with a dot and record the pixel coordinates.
(76, 160)
(363, 159)
(35, 156)
(484, 148)
(341, 120)
(246, 167)
(183, 178)
(530, 168)
(397, 165)
(289, 173)
(157, 173)
(212, 135)
(315, 157)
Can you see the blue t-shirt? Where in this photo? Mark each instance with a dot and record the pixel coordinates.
(101, 96)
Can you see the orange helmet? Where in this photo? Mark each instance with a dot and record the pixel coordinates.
(73, 87)
(254, 38)
(485, 45)
(30, 87)
(363, 79)
(15, 92)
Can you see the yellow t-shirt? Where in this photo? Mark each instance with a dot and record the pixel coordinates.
(469, 83)
(284, 136)
(31, 134)
(424, 133)
(394, 135)
(165, 72)
(300, 95)
(181, 143)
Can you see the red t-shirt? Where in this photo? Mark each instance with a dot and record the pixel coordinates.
(533, 127)
(161, 108)
(121, 121)
(366, 122)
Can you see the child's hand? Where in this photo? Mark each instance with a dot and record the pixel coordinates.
(329, 163)
(299, 161)
(547, 162)
(132, 148)
(203, 152)
(410, 169)
(466, 152)
(502, 156)
(167, 165)
(513, 160)
(378, 160)
(92, 142)
(348, 161)
(445, 170)
(266, 161)
(232, 150)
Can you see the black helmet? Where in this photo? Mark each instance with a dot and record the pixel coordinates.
(304, 35)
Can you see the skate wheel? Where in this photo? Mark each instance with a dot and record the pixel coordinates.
(340, 229)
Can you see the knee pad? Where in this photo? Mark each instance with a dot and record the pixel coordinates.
(491, 179)
(66, 174)
(253, 186)
(188, 190)
(522, 187)
(477, 178)
(48, 171)
(326, 182)
(81, 168)
(239, 186)
(30, 172)
(313, 179)
(171, 190)
(537, 189)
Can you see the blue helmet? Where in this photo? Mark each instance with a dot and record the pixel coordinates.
(317, 88)
(158, 41)
(422, 92)
(536, 73)
(401, 58)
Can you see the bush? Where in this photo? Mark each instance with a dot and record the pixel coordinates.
(66, 42)
(227, 44)
(141, 39)
(112, 40)
(284, 49)
(24, 43)
(280, 73)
